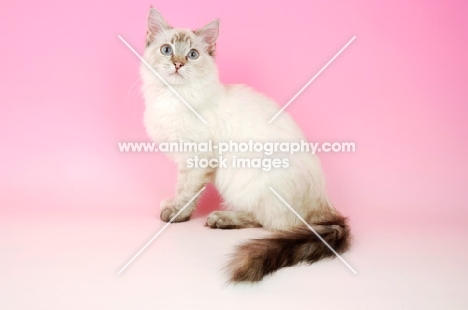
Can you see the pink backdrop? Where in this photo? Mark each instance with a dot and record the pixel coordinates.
(399, 92)
(73, 209)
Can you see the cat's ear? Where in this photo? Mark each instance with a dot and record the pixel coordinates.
(156, 24)
(209, 32)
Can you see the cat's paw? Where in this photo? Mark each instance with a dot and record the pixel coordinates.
(169, 209)
(231, 220)
(217, 220)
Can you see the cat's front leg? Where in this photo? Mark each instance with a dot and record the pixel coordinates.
(189, 183)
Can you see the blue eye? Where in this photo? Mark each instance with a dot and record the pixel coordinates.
(193, 54)
(166, 50)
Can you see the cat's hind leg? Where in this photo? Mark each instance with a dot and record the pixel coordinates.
(232, 220)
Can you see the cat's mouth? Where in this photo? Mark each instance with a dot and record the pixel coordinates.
(176, 73)
(175, 77)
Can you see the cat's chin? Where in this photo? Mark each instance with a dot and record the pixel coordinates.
(176, 79)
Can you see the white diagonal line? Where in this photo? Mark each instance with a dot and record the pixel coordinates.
(164, 81)
(313, 230)
(160, 231)
(311, 80)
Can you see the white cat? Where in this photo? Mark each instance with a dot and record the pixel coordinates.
(185, 59)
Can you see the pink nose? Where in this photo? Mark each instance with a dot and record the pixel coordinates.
(178, 65)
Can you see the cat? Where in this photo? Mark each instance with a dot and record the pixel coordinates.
(185, 59)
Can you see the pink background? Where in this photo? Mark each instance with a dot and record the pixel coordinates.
(399, 91)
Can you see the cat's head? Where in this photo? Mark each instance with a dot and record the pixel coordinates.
(179, 55)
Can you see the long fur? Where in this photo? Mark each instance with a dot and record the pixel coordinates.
(240, 114)
(257, 258)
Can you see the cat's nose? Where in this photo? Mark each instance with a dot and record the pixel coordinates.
(178, 65)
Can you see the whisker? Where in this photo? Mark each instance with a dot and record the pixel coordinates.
(131, 87)
(132, 95)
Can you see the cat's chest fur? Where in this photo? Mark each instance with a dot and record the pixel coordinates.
(168, 119)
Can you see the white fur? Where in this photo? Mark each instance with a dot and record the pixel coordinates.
(233, 112)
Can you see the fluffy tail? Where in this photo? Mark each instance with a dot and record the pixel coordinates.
(259, 257)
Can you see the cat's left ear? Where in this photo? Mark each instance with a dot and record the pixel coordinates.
(209, 34)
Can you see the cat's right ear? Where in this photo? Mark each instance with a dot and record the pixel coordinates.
(155, 25)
